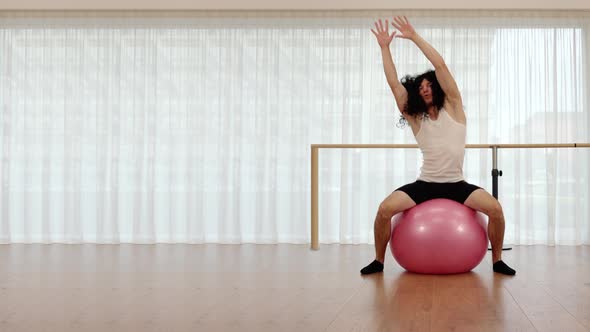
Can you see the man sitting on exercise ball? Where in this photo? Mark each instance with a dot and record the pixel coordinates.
(431, 104)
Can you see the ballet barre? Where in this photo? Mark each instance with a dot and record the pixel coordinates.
(315, 148)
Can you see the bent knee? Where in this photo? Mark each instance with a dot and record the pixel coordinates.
(386, 211)
(495, 212)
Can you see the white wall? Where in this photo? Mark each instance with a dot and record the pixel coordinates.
(288, 4)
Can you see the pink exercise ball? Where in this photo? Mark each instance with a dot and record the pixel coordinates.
(439, 236)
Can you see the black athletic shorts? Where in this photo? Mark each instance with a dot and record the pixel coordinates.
(421, 191)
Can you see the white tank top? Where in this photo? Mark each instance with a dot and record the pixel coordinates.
(442, 143)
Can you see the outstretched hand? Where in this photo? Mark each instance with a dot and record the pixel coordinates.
(382, 33)
(402, 24)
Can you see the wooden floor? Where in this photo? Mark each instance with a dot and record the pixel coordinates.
(282, 288)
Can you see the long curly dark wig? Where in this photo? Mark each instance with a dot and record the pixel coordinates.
(415, 106)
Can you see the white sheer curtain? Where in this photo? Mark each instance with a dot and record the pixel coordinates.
(168, 127)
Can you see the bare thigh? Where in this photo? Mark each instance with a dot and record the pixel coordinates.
(481, 200)
(396, 202)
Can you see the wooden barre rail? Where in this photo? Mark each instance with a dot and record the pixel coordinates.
(468, 146)
(315, 244)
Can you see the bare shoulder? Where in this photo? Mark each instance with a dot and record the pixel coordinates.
(455, 110)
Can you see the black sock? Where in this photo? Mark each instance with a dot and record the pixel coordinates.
(501, 267)
(375, 266)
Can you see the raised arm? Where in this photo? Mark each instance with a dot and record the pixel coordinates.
(443, 75)
(384, 39)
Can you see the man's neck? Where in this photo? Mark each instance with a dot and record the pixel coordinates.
(432, 112)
